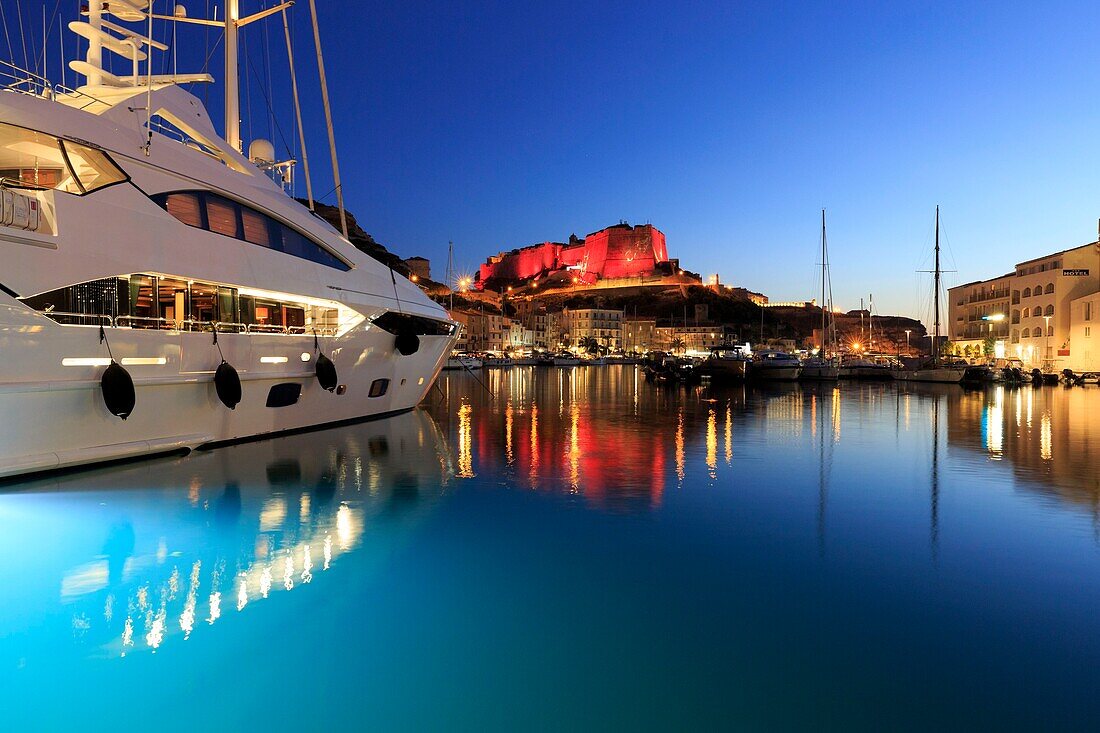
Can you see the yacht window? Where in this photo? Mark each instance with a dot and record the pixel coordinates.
(256, 228)
(378, 387)
(222, 215)
(187, 207)
(92, 168)
(30, 159)
(231, 219)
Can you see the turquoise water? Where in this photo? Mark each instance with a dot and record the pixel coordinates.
(579, 550)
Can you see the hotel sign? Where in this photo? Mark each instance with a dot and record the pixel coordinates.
(1075, 273)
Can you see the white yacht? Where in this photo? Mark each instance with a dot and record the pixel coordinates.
(775, 365)
(160, 290)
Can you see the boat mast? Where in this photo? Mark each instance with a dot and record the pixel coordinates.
(936, 294)
(232, 85)
(824, 259)
(328, 121)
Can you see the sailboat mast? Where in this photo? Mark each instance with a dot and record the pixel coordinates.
(823, 260)
(936, 294)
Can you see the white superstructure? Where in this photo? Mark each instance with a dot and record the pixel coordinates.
(132, 232)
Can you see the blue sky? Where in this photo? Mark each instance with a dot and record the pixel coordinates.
(727, 125)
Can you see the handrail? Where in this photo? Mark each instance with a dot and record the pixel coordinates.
(101, 319)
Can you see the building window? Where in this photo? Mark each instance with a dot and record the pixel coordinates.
(1088, 311)
(1088, 331)
(1026, 333)
(1049, 311)
(1050, 288)
(1015, 335)
(1027, 312)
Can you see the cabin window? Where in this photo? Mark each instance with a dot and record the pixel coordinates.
(30, 159)
(222, 216)
(378, 387)
(187, 207)
(218, 214)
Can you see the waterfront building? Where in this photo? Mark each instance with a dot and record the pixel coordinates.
(1030, 312)
(695, 339)
(601, 324)
(639, 334)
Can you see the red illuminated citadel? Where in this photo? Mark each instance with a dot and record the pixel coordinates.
(617, 252)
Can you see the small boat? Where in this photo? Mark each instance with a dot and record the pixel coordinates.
(775, 366)
(463, 361)
(594, 361)
(863, 368)
(819, 369)
(565, 359)
(725, 363)
(980, 374)
(527, 360)
(498, 362)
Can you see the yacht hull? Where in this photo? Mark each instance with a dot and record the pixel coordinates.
(56, 416)
(820, 372)
(775, 374)
(938, 376)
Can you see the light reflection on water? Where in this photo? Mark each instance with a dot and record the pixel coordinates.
(849, 556)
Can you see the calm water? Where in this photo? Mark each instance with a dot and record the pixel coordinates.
(580, 551)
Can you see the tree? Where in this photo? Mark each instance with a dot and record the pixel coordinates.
(677, 344)
(589, 345)
(989, 346)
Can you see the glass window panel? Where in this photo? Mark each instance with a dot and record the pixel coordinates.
(187, 207)
(221, 215)
(93, 167)
(142, 302)
(257, 229)
(33, 159)
(203, 306)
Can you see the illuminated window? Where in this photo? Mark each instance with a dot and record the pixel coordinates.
(221, 215)
(30, 159)
(218, 214)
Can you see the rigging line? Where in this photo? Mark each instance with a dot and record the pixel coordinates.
(7, 35)
(267, 71)
(267, 101)
(61, 49)
(45, 25)
(297, 113)
(22, 35)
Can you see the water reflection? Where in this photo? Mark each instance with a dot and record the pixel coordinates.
(225, 537)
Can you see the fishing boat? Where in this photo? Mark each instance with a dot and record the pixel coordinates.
(936, 370)
(161, 291)
(822, 366)
(775, 366)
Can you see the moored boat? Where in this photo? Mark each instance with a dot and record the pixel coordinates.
(775, 366)
(161, 290)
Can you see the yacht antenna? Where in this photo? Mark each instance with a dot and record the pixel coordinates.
(232, 83)
(328, 119)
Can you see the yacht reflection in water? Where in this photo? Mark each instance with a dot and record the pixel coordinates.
(146, 555)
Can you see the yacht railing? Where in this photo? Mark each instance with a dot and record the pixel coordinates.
(82, 319)
(66, 318)
(23, 81)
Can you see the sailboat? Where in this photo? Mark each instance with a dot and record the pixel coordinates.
(935, 371)
(822, 366)
(161, 291)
